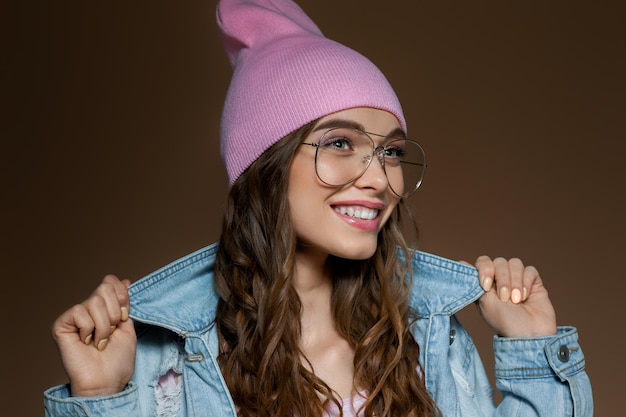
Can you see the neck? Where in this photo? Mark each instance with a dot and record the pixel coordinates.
(313, 283)
(327, 352)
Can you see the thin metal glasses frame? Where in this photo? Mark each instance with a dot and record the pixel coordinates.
(378, 151)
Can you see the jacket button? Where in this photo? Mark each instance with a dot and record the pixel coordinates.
(452, 335)
(563, 353)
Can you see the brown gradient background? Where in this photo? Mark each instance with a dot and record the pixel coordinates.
(110, 157)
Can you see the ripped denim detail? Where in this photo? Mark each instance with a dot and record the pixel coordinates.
(168, 394)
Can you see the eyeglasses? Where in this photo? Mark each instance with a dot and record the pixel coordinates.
(343, 154)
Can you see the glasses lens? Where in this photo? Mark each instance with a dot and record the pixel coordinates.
(405, 162)
(344, 154)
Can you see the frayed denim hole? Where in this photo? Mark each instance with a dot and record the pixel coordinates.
(168, 394)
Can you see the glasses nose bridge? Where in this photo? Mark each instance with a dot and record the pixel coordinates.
(376, 150)
(379, 151)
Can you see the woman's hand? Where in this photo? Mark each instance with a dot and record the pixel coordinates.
(515, 303)
(97, 341)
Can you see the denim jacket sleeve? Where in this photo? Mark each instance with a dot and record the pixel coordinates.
(542, 376)
(58, 402)
(537, 377)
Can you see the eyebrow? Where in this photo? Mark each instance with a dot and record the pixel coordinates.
(335, 123)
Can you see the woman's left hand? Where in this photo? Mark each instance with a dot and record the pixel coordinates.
(515, 302)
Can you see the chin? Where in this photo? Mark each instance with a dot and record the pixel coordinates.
(356, 254)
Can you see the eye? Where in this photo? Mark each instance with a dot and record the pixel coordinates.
(338, 140)
(336, 143)
(395, 152)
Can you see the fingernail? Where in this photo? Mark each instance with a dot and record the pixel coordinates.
(524, 293)
(124, 313)
(504, 294)
(103, 344)
(487, 283)
(88, 338)
(516, 296)
(112, 329)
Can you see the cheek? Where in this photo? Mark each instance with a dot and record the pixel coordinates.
(301, 173)
(393, 203)
(398, 180)
(306, 205)
(306, 220)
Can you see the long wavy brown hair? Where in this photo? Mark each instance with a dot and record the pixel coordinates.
(258, 314)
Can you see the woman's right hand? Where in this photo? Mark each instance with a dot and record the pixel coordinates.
(97, 341)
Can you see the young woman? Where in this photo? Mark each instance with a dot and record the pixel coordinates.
(311, 303)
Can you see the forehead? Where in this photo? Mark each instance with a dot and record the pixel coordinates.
(367, 119)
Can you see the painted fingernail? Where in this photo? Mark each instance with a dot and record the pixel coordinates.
(124, 313)
(487, 283)
(524, 293)
(103, 344)
(112, 329)
(88, 338)
(516, 296)
(504, 294)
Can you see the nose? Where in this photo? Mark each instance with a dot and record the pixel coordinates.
(374, 176)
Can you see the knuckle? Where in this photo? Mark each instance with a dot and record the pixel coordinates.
(98, 301)
(530, 269)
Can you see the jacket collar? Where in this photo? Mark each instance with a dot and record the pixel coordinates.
(181, 296)
(441, 286)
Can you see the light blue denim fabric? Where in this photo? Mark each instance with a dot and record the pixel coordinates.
(174, 309)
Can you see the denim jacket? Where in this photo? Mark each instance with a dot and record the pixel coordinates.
(174, 309)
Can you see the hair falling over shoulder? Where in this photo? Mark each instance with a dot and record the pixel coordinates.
(258, 315)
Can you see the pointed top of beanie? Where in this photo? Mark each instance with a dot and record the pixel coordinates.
(286, 73)
(249, 25)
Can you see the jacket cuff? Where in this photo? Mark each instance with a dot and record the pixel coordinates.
(58, 402)
(540, 357)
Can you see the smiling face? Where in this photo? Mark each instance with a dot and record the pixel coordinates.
(342, 221)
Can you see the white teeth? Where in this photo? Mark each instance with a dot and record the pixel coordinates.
(358, 212)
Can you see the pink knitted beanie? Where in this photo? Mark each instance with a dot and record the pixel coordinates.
(285, 75)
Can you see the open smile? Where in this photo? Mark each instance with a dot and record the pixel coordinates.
(358, 212)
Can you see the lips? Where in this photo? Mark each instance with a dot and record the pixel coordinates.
(357, 212)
